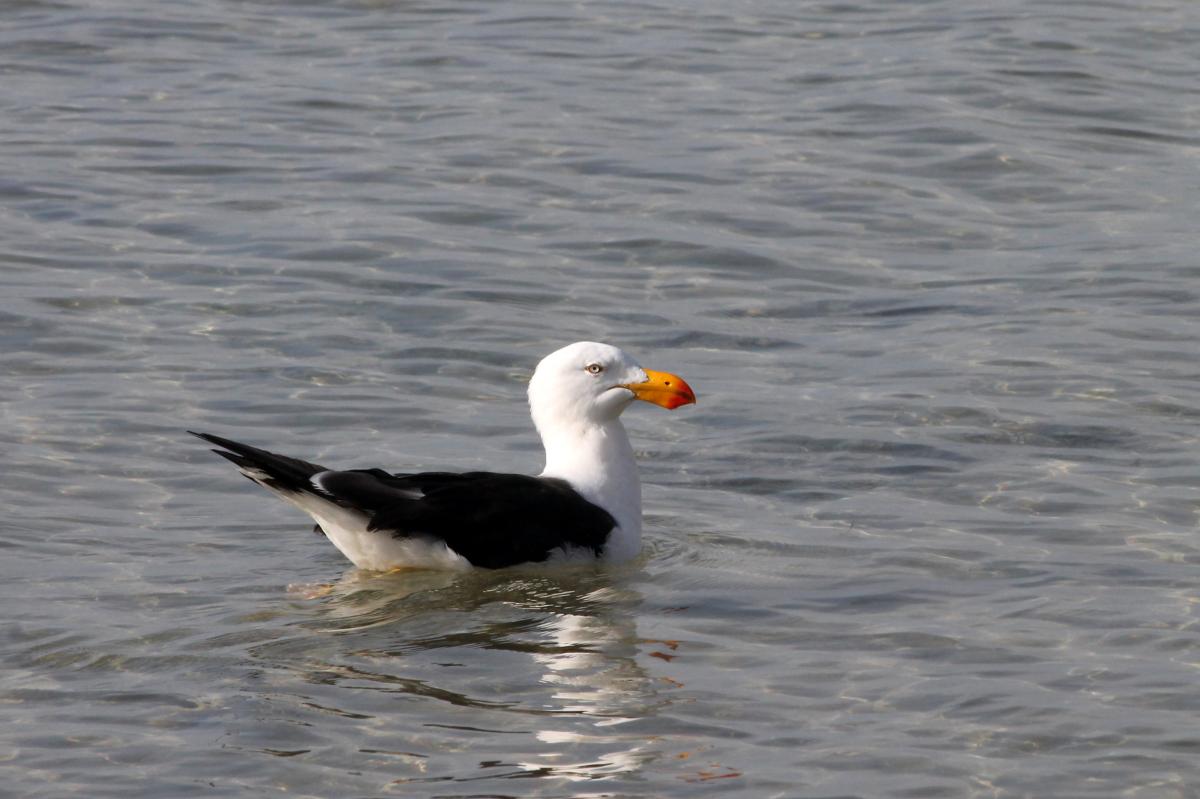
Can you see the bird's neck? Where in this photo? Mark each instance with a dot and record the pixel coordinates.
(598, 462)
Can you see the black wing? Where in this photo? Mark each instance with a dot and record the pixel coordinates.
(279, 471)
(493, 520)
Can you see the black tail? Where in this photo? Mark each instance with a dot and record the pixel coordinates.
(273, 471)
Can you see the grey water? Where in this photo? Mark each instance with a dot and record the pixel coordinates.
(931, 268)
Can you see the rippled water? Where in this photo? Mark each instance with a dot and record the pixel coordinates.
(931, 268)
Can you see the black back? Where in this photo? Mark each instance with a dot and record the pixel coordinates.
(493, 520)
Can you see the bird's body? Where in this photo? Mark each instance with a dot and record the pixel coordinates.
(586, 503)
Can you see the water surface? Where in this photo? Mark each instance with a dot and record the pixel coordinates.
(930, 532)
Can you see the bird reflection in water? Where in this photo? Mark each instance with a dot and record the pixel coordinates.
(534, 672)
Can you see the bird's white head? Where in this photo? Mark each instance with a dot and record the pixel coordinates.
(589, 384)
(576, 397)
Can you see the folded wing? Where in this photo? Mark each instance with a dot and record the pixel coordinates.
(490, 519)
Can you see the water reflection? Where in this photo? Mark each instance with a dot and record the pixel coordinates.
(543, 666)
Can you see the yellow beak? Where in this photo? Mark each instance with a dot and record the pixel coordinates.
(663, 388)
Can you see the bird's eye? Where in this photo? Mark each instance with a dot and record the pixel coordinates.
(594, 368)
